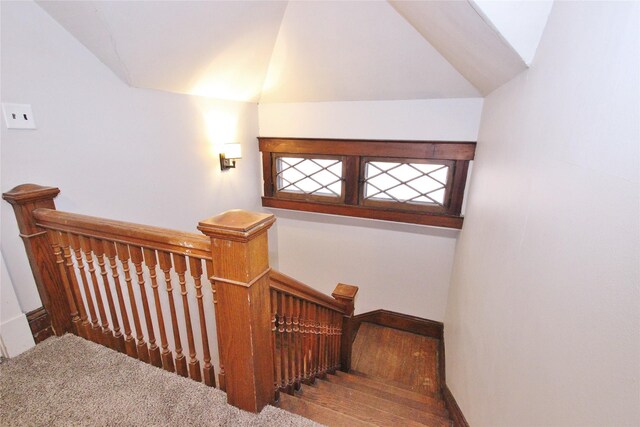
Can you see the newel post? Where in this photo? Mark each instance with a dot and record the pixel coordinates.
(346, 294)
(240, 259)
(25, 199)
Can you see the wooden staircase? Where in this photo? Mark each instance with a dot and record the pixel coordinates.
(388, 393)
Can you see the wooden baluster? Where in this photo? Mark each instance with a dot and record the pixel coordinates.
(54, 238)
(195, 268)
(151, 262)
(85, 245)
(297, 342)
(290, 343)
(74, 246)
(129, 341)
(321, 343)
(307, 333)
(154, 350)
(118, 339)
(314, 343)
(334, 332)
(165, 265)
(305, 340)
(141, 346)
(320, 340)
(209, 268)
(180, 265)
(283, 342)
(338, 338)
(329, 341)
(85, 326)
(326, 340)
(277, 368)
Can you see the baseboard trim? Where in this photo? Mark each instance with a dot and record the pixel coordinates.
(15, 337)
(404, 322)
(40, 324)
(454, 410)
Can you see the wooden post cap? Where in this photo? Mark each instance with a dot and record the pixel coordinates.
(343, 291)
(26, 193)
(236, 224)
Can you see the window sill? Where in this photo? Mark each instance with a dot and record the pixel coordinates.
(421, 218)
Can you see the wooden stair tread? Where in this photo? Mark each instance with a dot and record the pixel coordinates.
(425, 415)
(379, 389)
(318, 413)
(362, 412)
(391, 383)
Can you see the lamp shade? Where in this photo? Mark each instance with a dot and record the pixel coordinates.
(232, 151)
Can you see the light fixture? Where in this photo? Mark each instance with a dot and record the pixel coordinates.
(230, 153)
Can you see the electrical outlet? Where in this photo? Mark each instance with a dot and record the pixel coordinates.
(18, 116)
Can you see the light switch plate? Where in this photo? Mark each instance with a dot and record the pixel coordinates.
(18, 116)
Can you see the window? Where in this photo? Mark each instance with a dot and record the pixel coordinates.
(309, 178)
(419, 182)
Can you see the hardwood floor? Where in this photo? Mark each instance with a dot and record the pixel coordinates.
(394, 382)
(397, 357)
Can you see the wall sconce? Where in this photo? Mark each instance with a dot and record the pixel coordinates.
(230, 153)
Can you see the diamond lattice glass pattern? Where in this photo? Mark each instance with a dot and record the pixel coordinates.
(420, 183)
(322, 177)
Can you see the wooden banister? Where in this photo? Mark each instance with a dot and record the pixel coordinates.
(240, 265)
(273, 331)
(44, 265)
(178, 242)
(293, 287)
(310, 331)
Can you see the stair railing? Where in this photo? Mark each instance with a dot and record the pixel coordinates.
(307, 331)
(79, 262)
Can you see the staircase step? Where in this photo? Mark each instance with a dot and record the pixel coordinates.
(396, 384)
(394, 394)
(355, 397)
(318, 413)
(364, 413)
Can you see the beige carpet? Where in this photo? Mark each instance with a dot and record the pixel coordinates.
(70, 381)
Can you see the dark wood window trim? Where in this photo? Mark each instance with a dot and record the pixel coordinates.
(354, 152)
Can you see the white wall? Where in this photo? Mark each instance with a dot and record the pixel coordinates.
(114, 151)
(542, 324)
(15, 335)
(399, 267)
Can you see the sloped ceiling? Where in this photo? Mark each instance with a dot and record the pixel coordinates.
(274, 51)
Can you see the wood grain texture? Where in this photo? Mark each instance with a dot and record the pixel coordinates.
(364, 413)
(363, 147)
(389, 392)
(239, 261)
(190, 244)
(420, 218)
(291, 286)
(24, 200)
(363, 399)
(397, 357)
(40, 324)
(319, 414)
(403, 322)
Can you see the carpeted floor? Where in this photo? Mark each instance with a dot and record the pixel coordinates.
(70, 381)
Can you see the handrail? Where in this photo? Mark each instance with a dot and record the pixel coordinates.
(291, 286)
(179, 242)
(78, 262)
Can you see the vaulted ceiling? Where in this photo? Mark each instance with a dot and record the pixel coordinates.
(277, 51)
